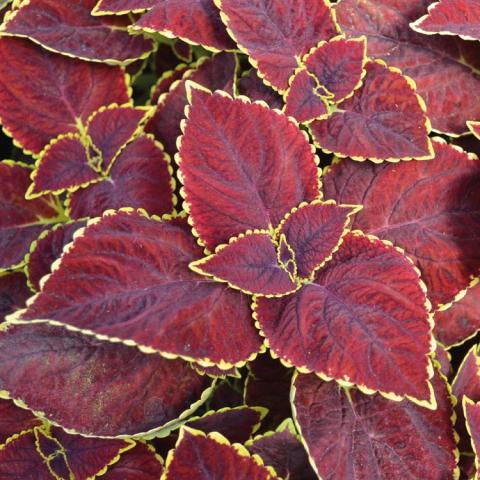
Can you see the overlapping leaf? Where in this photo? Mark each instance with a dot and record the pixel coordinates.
(474, 128)
(13, 293)
(276, 34)
(363, 436)
(67, 27)
(14, 420)
(444, 69)
(166, 80)
(430, 209)
(243, 166)
(117, 7)
(363, 320)
(384, 120)
(128, 278)
(51, 94)
(251, 85)
(472, 416)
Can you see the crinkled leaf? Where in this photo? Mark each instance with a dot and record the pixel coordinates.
(215, 73)
(243, 166)
(51, 94)
(430, 209)
(14, 420)
(305, 100)
(47, 248)
(248, 263)
(139, 178)
(314, 232)
(444, 69)
(21, 220)
(363, 319)
(127, 277)
(338, 65)
(166, 81)
(283, 451)
(277, 34)
(384, 120)
(451, 17)
(13, 293)
(113, 127)
(117, 7)
(197, 21)
(211, 457)
(64, 165)
(93, 387)
(352, 435)
(251, 85)
(67, 27)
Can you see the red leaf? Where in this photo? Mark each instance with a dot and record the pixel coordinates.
(111, 128)
(433, 212)
(195, 21)
(460, 321)
(165, 82)
(283, 451)
(231, 176)
(91, 386)
(21, 220)
(47, 248)
(140, 178)
(472, 415)
(63, 165)
(68, 28)
(474, 128)
(248, 263)
(215, 73)
(117, 7)
(276, 34)
(183, 50)
(444, 359)
(68, 89)
(362, 320)
(251, 85)
(305, 100)
(384, 120)
(444, 69)
(128, 279)
(140, 463)
(14, 420)
(314, 232)
(451, 17)
(13, 293)
(391, 439)
(211, 457)
(338, 65)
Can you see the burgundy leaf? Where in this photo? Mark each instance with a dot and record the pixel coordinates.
(14, 420)
(251, 85)
(384, 120)
(474, 128)
(140, 178)
(127, 278)
(472, 416)
(433, 212)
(168, 78)
(183, 50)
(13, 293)
(276, 34)
(67, 27)
(231, 156)
(338, 65)
(21, 220)
(196, 21)
(93, 387)
(363, 319)
(118, 7)
(356, 436)
(444, 69)
(50, 94)
(444, 359)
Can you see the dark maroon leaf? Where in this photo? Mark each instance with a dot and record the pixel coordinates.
(163, 84)
(251, 85)
(14, 292)
(14, 420)
(117, 7)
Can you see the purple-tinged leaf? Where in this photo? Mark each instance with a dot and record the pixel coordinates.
(183, 50)
(14, 420)
(164, 83)
(120, 7)
(251, 85)
(14, 292)
(472, 418)
(474, 127)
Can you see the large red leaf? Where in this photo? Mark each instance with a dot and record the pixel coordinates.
(51, 94)
(338, 65)
(127, 278)
(251, 85)
(451, 17)
(461, 320)
(363, 437)
(248, 263)
(140, 178)
(384, 120)
(14, 420)
(211, 457)
(215, 73)
(432, 212)
(196, 21)
(472, 416)
(118, 7)
(243, 166)
(13, 293)
(444, 69)
(21, 220)
(362, 320)
(314, 232)
(63, 165)
(276, 34)
(67, 27)
(93, 387)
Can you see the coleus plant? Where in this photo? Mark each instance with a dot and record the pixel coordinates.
(298, 313)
